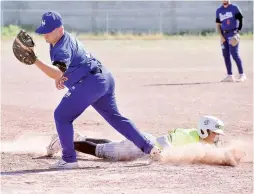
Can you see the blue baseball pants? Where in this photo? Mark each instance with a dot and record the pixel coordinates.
(98, 91)
(228, 49)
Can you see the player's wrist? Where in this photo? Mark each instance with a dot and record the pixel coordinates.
(37, 61)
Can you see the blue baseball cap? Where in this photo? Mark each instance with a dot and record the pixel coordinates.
(49, 22)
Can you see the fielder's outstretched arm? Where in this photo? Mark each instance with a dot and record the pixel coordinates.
(50, 70)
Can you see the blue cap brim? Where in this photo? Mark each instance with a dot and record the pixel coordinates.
(43, 30)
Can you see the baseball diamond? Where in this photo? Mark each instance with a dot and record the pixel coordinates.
(176, 127)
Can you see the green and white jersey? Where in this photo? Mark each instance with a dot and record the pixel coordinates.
(178, 137)
(126, 150)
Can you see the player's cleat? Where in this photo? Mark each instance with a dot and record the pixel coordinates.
(54, 146)
(242, 78)
(155, 154)
(78, 137)
(61, 164)
(229, 78)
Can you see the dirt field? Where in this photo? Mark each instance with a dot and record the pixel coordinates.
(160, 85)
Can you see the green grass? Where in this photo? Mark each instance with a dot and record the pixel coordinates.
(9, 32)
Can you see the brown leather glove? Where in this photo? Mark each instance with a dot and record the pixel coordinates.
(23, 48)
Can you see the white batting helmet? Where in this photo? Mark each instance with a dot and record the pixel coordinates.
(210, 123)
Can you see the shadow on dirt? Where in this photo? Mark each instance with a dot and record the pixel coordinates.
(182, 84)
(33, 171)
(44, 170)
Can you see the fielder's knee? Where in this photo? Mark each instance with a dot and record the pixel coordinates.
(226, 55)
(236, 57)
(60, 115)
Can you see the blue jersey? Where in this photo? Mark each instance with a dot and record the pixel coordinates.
(228, 17)
(72, 54)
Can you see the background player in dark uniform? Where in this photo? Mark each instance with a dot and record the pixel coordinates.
(229, 21)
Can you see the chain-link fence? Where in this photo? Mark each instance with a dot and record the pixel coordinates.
(167, 17)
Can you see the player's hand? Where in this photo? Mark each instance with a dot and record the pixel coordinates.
(60, 82)
(233, 157)
(222, 39)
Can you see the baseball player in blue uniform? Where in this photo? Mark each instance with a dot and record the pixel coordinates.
(88, 83)
(229, 21)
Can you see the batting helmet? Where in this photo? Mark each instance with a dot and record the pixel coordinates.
(210, 123)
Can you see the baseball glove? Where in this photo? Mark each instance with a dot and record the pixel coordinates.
(22, 47)
(234, 40)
